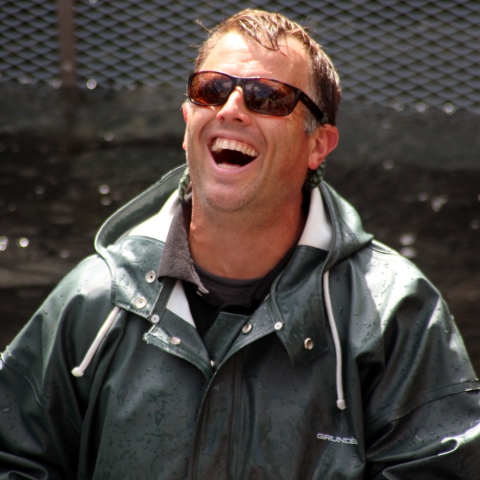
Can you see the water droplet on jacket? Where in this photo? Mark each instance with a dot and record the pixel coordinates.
(123, 392)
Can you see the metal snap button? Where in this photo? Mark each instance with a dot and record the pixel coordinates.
(140, 302)
(175, 341)
(155, 318)
(278, 326)
(150, 276)
(247, 328)
(308, 344)
(212, 363)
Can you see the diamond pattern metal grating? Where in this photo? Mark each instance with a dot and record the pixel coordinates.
(412, 53)
(28, 41)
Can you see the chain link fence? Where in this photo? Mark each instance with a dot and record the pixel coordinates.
(414, 53)
(28, 42)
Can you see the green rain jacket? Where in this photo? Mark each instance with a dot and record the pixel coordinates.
(261, 397)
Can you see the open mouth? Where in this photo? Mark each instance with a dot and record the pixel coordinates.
(232, 152)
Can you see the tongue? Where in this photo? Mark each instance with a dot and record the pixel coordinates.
(232, 157)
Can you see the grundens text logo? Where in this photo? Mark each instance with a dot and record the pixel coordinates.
(331, 438)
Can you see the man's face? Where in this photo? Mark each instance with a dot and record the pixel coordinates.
(276, 150)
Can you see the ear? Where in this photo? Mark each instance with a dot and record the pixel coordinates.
(185, 111)
(322, 142)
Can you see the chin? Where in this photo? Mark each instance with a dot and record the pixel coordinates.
(224, 199)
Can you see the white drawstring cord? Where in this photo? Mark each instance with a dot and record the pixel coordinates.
(80, 370)
(336, 340)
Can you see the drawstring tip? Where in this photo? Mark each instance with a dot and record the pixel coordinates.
(77, 372)
(80, 370)
(341, 404)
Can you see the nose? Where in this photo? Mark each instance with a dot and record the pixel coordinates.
(234, 109)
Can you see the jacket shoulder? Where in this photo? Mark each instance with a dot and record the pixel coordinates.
(67, 321)
(92, 274)
(378, 257)
(407, 345)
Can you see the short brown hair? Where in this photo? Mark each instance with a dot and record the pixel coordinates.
(266, 29)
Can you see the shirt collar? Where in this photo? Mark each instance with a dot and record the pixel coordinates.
(176, 261)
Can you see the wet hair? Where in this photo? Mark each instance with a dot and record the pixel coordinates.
(267, 29)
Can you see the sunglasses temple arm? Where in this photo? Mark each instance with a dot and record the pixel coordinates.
(312, 106)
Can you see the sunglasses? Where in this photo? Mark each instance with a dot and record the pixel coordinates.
(262, 95)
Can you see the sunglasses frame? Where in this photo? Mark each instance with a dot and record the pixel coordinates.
(242, 81)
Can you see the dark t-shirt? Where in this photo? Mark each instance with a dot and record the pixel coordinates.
(228, 295)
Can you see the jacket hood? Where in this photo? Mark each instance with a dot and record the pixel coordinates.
(348, 233)
(137, 210)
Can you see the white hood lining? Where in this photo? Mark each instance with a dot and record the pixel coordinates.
(157, 227)
(178, 304)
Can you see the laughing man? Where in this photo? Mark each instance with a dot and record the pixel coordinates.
(243, 326)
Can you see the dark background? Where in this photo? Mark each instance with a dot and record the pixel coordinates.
(72, 151)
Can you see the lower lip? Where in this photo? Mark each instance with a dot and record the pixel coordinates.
(228, 166)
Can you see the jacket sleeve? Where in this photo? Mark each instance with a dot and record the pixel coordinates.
(421, 395)
(42, 404)
(437, 440)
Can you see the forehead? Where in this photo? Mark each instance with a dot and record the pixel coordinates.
(242, 56)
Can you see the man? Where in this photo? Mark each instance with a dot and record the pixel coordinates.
(250, 330)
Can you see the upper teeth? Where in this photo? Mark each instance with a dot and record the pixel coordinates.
(224, 144)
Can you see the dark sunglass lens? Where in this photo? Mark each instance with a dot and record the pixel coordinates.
(209, 88)
(270, 98)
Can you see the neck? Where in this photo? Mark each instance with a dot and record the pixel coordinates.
(244, 245)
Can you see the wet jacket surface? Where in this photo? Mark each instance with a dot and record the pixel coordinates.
(247, 403)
